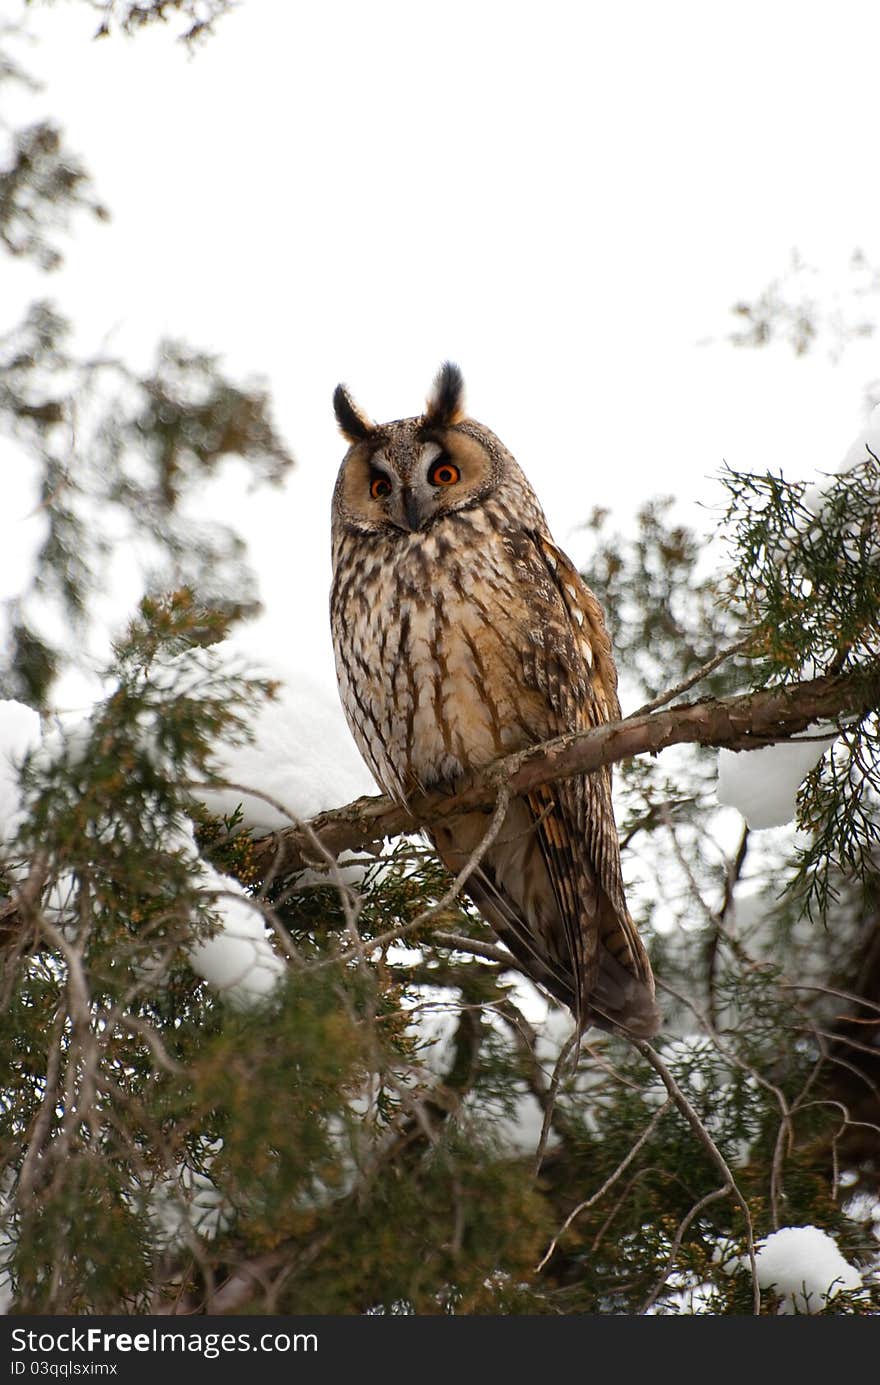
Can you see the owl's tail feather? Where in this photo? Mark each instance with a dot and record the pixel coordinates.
(495, 907)
(621, 994)
(620, 1000)
(512, 891)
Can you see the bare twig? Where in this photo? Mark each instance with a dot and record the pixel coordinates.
(394, 935)
(697, 677)
(732, 876)
(831, 990)
(478, 948)
(676, 1244)
(705, 1139)
(743, 722)
(551, 1099)
(785, 1137)
(609, 1183)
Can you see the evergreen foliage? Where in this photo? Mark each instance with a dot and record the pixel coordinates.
(806, 573)
(117, 456)
(402, 1127)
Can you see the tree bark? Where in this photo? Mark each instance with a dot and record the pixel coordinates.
(745, 722)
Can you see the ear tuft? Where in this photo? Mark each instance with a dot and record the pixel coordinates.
(446, 400)
(353, 425)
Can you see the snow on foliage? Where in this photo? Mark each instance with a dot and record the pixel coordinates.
(804, 1268)
(239, 960)
(302, 757)
(190, 1202)
(19, 734)
(763, 784)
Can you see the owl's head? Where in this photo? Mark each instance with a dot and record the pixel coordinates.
(408, 474)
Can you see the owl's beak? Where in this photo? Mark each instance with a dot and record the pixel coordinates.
(411, 509)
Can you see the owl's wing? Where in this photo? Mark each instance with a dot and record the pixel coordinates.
(570, 662)
(550, 884)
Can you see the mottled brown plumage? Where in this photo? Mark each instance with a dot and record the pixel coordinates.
(462, 633)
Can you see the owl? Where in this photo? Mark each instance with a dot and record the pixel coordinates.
(463, 633)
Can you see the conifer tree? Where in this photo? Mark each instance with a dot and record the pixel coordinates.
(400, 1123)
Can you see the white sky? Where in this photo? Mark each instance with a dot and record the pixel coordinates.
(565, 199)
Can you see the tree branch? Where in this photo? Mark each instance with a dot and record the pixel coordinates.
(745, 722)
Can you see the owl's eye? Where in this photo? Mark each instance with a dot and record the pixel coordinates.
(380, 486)
(444, 473)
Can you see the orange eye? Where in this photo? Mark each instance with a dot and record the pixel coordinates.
(444, 473)
(380, 486)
